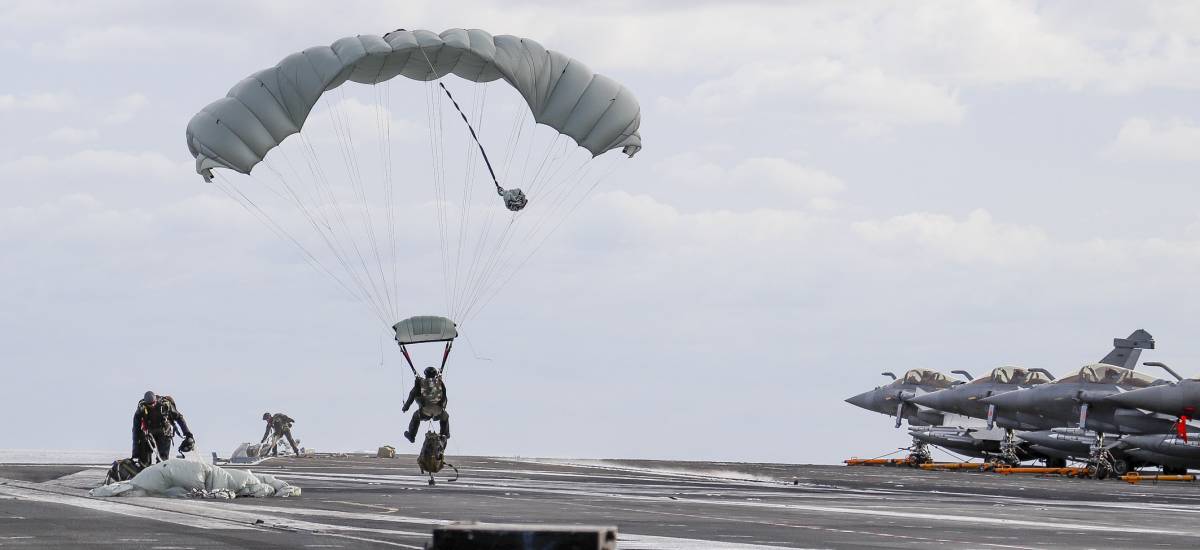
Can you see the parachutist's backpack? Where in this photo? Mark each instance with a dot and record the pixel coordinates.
(432, 396)
(433, 453)
(122, 470)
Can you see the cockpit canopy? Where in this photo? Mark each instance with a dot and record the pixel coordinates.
(924, 377)
(1100, 373)
(1013, 375)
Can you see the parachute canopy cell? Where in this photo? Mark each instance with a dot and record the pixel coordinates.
(425, 328)
(238, 131)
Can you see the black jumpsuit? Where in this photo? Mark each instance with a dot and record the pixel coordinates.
(156, 421)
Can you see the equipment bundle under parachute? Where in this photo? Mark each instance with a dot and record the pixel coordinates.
(350, 189)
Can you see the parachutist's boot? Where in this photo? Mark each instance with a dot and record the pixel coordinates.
(411, 437)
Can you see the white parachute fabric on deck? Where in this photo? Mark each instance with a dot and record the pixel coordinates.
(188, 478)
(237, 131)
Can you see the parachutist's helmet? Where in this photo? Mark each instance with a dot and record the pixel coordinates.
(149, 397)
(266, 416)
(430, 372)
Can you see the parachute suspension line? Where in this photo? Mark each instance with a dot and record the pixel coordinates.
(329, 235)
(479, 273)
(250, 206)
(316, 224)
(445, 355)
(435, 107)
(382, 119)
(507, 273)
(436, 148)
(465, 286)
(354, 173)
(464, 211)
(600, 179)
(510, 228)
(325, 185)
(439, 205)
(404, 351)
(500, 261)
(476, 277)
(393, 215)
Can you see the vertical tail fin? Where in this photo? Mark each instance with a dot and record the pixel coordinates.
(1126, 351)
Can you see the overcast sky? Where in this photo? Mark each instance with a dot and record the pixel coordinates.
(827, 191)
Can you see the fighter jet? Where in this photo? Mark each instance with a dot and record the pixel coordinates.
(1082, 398)
(1179, 399)
(895, 399)
(966, 400)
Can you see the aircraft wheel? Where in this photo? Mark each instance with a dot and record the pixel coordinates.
(1121, 467)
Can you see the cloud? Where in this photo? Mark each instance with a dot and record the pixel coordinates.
(867, 100)
(47, 102)
(126, 108)
(121, 41)
(71, 135)
(119, 176)
(366, 120)
(750, 182)
(1144, 139)
(975, 239)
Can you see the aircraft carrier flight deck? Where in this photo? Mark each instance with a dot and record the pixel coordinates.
(359, 501)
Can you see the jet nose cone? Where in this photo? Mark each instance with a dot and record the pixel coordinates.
(1163, 399)
(862, 400)
(934, 400)
(1007, 400)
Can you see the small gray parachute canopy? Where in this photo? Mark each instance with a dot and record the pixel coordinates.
(425, 328)
(237, 131)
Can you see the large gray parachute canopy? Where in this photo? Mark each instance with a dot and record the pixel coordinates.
(425, 328)
(237, 131)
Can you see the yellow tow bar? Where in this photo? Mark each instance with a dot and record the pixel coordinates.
(1035, 470)
(1135, 478)
(980, 466)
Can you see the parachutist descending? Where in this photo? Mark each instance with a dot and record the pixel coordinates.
(430, 394)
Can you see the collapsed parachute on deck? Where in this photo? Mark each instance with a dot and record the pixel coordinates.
(238, 131)
(187, 478)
